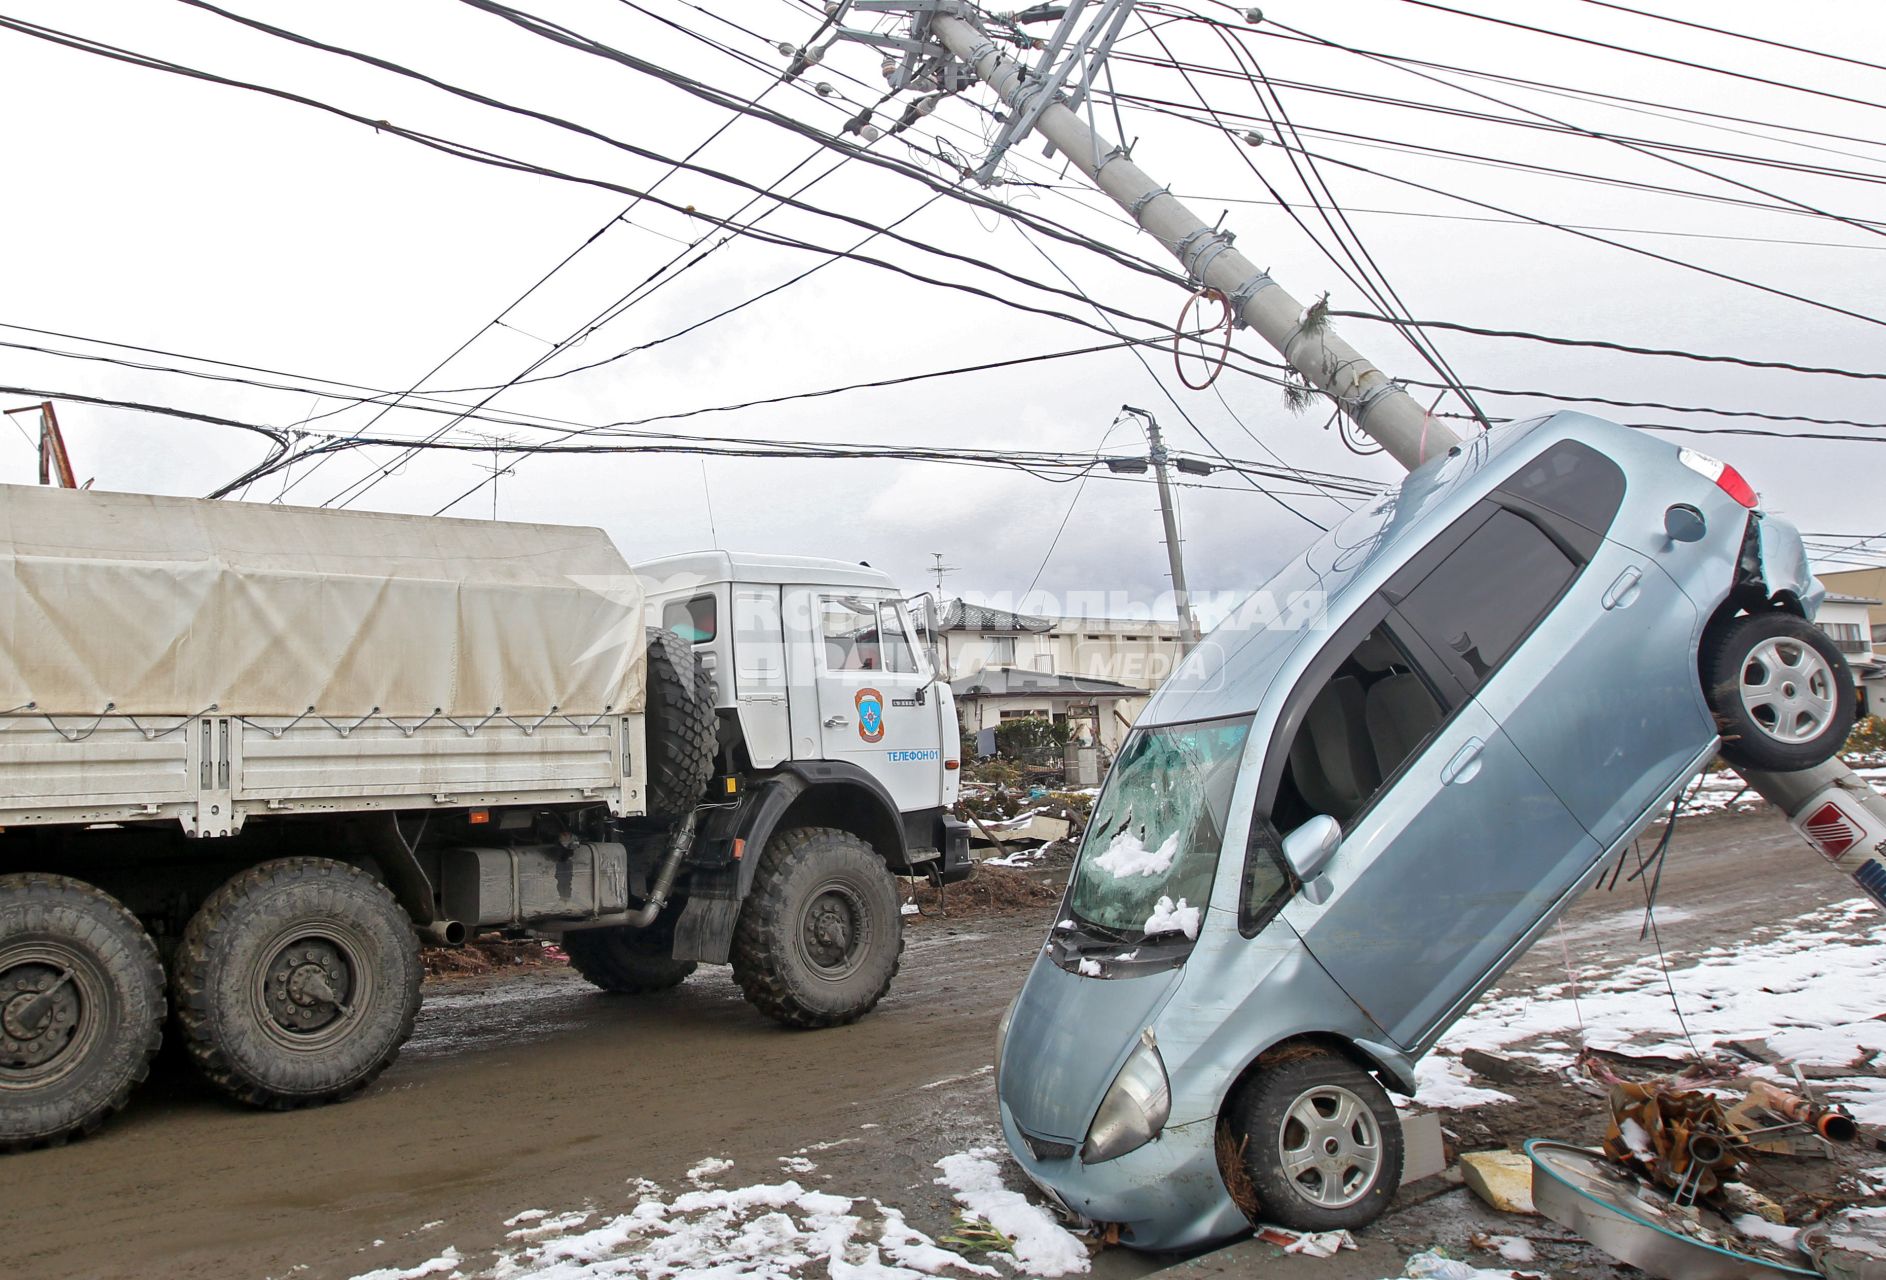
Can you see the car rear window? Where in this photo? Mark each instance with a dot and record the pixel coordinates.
(1480, 602)
(1572, 480)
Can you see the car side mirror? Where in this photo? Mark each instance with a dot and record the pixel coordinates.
(1309, 848)
(1684, 523)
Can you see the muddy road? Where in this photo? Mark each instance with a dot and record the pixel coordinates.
(530, 1091)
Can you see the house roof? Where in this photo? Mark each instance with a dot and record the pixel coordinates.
(1016, 682)
(1835, 597)
(963, 616)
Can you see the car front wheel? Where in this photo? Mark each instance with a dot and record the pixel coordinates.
(1318, 1140)
(1780, 690)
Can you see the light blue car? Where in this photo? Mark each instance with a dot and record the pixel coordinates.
(1359, 800)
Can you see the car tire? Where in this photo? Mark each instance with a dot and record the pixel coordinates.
(626, 961)
(297, 983)
(680, 727)
(821, 933)
(1780, 689)
(1319, 1140)
(69, 1062)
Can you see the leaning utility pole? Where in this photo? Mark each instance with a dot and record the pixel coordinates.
(1832, 807)
(1188, 626)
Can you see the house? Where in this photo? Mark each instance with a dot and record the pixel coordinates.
(1849, 621)
(1003, 665)
(1102, 710)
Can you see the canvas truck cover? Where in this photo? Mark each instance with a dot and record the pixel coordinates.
(168, 606)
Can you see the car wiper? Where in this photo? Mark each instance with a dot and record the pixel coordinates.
(1089, 927)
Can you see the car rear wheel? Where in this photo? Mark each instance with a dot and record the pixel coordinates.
(1780, 689)
(1319, 1141)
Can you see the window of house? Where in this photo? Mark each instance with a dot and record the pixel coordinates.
(1001, 650)
(693, 619)
(1849, 637)
(849, 627)
(1367, 719)
(1480, 602)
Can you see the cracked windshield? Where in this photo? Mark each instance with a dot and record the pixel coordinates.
(1146, 867)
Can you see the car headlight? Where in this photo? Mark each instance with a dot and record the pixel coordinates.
(1001, 1039)
(1135, 1108)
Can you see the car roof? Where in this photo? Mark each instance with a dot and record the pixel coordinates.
(1235, 665)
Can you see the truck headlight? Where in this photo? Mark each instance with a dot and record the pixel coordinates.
(1136, 1106)
(1001, 1040)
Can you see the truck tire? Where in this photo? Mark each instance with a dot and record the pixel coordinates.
(627, 961)
(679, 727)
(1781, 691)
(1319, 1140)
(820, 936)
(69, 1061)
(296, 983)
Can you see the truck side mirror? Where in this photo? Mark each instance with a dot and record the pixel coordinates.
(1309, 848)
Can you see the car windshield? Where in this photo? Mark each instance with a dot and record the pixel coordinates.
(1151, 849)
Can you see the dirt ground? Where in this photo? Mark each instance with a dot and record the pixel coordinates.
(525, 1089)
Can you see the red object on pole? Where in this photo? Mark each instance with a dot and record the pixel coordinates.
(55, 465)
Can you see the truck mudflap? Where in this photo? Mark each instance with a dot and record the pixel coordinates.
(952, 838)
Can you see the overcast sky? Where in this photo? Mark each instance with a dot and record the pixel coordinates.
(146, 209)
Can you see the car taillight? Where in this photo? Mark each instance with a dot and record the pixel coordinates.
(1727, 478)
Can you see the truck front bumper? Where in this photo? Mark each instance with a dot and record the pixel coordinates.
(952, 839)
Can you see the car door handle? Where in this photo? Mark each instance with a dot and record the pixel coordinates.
(834, 722)
(1623, 593)
(1465, 764)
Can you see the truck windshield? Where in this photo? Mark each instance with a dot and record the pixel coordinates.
(1151, 849)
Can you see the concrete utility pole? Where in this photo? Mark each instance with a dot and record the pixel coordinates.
(1188, 627)
(1379, 407)
(1832, 807)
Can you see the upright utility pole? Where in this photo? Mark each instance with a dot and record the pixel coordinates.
(1188, 627)
(1829, 798)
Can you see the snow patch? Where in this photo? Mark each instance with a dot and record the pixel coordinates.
(1126, 856)
(1042, 1246)
(446, 1261)
(1761, 1228)
(1444, 1083)
(706, 1171)
(1090, 968)
(1168, 916)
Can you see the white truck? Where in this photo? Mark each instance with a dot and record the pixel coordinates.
(250, 755)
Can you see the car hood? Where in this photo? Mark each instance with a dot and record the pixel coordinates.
(1067, 1040)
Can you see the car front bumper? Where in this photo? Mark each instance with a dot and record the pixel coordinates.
(1165, 1195)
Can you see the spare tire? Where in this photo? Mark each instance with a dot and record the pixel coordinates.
(679, 727)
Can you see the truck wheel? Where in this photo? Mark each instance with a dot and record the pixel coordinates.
(680, 727)
(81, 1008)
(1781, 691)
(297, 983)
(1321, 1142)
(821, 934)
(627, 961)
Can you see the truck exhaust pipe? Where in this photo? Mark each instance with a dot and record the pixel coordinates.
(444, 933)
(679, 845)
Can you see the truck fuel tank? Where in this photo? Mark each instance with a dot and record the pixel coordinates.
(527, 884)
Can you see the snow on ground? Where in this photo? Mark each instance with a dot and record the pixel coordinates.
(770, 1231)
(1810, 992)
(1042, 1246)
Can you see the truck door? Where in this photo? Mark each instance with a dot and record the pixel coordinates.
(875, 704)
